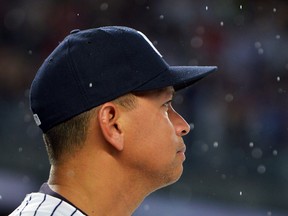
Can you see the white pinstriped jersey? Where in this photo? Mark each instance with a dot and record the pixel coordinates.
(40, 204)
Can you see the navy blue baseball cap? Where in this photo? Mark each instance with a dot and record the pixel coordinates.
(94, 66)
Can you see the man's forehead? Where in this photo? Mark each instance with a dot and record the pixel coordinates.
(167, 91)
(171, 90)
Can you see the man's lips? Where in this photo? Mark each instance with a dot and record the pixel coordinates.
(181, 152)
(182, 149)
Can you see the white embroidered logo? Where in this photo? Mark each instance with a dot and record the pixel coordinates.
(37, 119)
(150, 43)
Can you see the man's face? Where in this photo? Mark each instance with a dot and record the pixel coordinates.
(153, 138)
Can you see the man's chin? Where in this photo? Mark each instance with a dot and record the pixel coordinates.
(173, 179)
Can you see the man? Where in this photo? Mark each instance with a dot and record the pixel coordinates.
(103, 101)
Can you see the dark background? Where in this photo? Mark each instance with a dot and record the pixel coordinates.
(237, 148)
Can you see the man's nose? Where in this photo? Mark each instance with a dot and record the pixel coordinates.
(181, 126)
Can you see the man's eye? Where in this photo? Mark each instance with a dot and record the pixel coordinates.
(167, 104)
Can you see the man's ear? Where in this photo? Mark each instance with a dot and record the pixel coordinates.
(108, 117)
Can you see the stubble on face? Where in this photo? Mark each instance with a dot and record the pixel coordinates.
(152, 140)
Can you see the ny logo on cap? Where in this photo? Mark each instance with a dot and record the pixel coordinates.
(150, 43)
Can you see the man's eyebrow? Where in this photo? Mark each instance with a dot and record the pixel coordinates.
(172, 91)
(169, 91)
(163, 92)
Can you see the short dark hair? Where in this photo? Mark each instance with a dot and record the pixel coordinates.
(69, 136)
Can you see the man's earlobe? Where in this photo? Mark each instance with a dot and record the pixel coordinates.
(108, 117)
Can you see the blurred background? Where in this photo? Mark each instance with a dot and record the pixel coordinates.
(237, 161)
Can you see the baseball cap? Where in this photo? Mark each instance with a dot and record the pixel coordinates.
(94, 66)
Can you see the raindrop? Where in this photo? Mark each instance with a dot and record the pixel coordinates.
(222, 23)
(204, 147)
(206, 8)
(251, 144)
(196, 42)
(20, 149)
(161, 17)
(147, 8)
(275, 152)
(257, 153)
(104, 6)
(269, 213)
(277, 37)
(155, 43)
(229, 98)
(200, 30)
(0, 197)
(278, 79)
(215, 144)
(192, 126)
(146, 207)
(90, 85)
(30, 52)
(240, 193)
(78, 14)
(257, 44)
(261, 169)
(281, 91)
(241, 7)
(260, 51)
(274, 10)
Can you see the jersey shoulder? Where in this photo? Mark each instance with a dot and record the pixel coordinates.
(43, 205)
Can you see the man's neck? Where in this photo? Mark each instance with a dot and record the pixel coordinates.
(108, 193)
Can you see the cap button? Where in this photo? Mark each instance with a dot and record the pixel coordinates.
(74, 31)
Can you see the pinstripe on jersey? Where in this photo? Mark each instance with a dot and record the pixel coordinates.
(39, 204)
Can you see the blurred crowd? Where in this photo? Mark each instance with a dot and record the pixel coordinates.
(238, 116)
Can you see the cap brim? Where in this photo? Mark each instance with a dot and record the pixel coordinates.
(178, 76)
